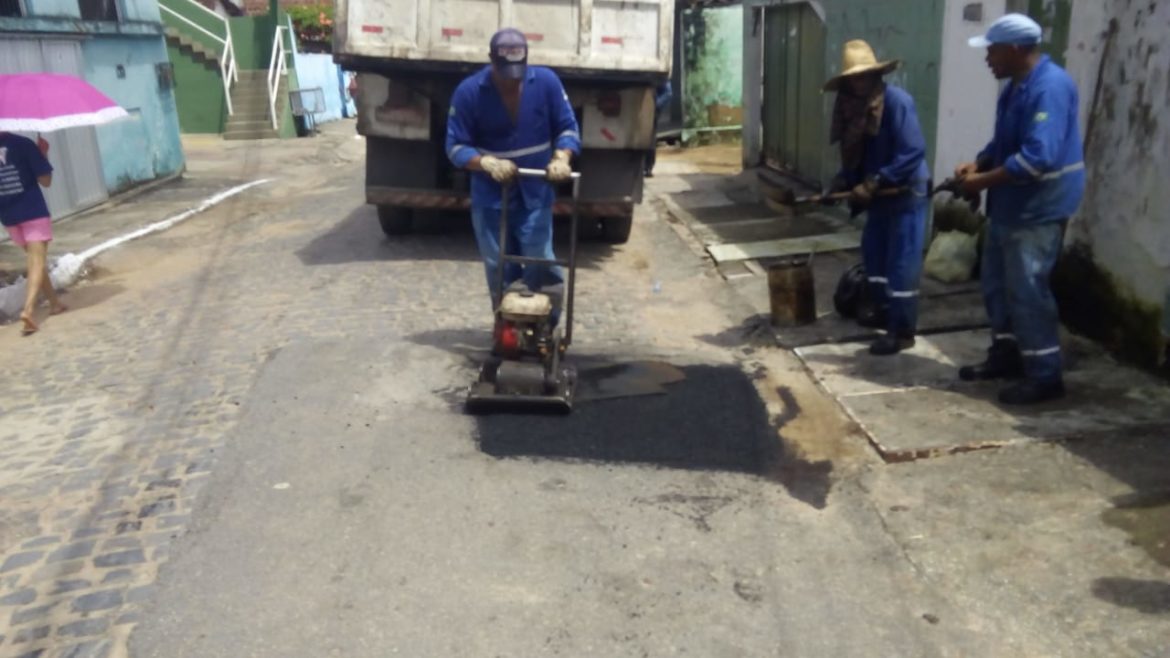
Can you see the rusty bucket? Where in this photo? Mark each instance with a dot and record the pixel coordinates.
(791, 291)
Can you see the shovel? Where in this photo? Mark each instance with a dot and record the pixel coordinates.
(789, 198)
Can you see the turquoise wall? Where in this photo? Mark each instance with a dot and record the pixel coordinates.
(146, 146)
(62, 8)
(712, 61)
(131, 10)
(139, 17)
(141, 10)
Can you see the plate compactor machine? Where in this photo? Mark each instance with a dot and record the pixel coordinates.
(527, 371)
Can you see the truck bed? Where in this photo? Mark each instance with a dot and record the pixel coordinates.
(584, 37)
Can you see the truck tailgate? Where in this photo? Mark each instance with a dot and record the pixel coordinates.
(582, 35)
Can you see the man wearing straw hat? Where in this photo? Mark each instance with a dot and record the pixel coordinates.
(883, 164)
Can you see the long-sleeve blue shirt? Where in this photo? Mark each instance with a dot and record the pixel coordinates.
(1038, 140)
(478, 123)
(896, 155)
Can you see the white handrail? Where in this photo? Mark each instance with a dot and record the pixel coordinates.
(227, 61)
(275, 71)
(172, 12)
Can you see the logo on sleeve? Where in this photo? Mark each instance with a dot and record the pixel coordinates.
(451, 111)
(1041, 116)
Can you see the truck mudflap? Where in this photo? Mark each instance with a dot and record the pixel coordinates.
(451, 200)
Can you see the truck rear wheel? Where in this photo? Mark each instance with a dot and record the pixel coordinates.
(616, 230)
(395, 220)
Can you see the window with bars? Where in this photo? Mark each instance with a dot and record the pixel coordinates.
(11, 9)
(98, 10)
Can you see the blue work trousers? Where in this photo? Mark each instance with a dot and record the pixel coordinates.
(530, 234)
(891, 249)
(1017, 266)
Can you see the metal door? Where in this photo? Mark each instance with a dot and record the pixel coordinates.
(794, 123)
(78, 181)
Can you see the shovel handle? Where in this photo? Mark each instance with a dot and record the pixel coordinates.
(842, 196)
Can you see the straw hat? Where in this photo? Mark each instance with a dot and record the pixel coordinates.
(857, 58)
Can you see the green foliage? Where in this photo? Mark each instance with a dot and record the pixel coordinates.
(313, 23)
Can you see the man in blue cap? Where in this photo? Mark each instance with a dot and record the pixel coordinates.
(1033, 170)
(508, 116)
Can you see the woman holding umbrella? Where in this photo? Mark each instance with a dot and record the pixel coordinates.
(39, 102)
(24, 170)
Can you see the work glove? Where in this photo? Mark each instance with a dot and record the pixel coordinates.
(559, 169)
(501, 171)
(862, 195)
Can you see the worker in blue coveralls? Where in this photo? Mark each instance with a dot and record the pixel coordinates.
(505, 117)
(1033, 170)
(882, 147)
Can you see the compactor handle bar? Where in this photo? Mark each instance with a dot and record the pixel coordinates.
(541, 173)
(567, 293)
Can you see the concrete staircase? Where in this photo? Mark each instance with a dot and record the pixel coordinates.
(192, 48)
(250, 118)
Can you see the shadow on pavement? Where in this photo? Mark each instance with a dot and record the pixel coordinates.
(711, 420)
(1149, 597)
(442, 236)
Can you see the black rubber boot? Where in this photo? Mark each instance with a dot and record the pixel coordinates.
(1003, 362)
(891, 344)
(1032, 392)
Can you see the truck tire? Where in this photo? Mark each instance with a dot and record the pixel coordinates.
(616, 230)
(395, 220)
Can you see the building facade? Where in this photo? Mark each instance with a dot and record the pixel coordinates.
(117, 46)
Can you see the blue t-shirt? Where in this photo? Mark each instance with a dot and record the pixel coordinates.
(21, 163)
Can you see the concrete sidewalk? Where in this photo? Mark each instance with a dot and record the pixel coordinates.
(911, 406)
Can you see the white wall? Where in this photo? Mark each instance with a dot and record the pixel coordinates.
(967, 90)
(1125, 218)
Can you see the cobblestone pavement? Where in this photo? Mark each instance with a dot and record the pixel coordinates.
(115, 413)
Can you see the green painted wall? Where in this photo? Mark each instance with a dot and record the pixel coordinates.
(252, 36)
(199, 87)
(1055, 16)
(712, 61)
(198, 16)
(198, 94)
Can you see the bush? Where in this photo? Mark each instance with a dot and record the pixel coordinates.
(313, 24)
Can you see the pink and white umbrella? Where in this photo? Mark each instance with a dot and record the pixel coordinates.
(43, 102)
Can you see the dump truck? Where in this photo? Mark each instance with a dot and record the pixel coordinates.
(409, 55)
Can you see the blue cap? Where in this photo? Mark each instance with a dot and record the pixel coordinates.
(1012, 30)
(509, 53)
